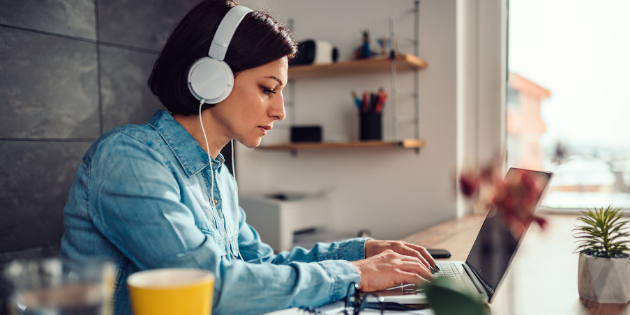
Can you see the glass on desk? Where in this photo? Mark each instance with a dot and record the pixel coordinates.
(58, 287)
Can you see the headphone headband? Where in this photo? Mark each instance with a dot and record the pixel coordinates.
(226, 30)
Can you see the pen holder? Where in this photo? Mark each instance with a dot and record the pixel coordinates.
(370, 126)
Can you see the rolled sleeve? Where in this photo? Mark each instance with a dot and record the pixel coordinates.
(343, 274)
(353, 249)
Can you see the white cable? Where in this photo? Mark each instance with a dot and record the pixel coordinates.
(234, 238)
(211, 172)
(209, 158)
(208, 151)
(227, 238)
(238, 250)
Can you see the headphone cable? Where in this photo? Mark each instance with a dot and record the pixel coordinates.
(212, 188)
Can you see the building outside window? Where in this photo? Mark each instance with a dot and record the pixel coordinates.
(568, 98)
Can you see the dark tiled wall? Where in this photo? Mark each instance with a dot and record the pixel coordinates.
(69, 71)
(142, 23)
(48, 86)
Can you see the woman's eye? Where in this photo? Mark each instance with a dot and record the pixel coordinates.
(268, 91)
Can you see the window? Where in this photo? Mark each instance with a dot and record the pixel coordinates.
(568, 98)
(513, 103)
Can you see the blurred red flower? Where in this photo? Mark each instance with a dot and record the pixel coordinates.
(514, 198)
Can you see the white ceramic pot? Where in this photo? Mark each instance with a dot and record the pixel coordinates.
(604, 280)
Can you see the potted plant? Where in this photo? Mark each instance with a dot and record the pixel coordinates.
(604, 266)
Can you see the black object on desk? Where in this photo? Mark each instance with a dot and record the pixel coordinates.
(439, 253)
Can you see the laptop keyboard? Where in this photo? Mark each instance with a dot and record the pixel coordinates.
(449, 270)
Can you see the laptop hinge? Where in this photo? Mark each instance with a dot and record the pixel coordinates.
(479, 282)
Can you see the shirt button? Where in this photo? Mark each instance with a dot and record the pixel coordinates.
(215, 201)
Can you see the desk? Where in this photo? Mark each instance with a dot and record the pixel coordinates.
(542, 278)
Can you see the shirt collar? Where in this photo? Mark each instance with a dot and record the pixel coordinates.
(186, 149)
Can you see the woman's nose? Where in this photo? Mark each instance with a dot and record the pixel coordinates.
(277, 109)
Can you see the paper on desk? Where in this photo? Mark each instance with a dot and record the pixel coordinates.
(337, 307)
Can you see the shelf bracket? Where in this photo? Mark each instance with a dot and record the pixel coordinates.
(394, 36)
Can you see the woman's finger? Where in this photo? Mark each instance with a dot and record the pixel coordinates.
(413, 264)
(418, 268)
(413, 278)
(424, 252)
(408, 250)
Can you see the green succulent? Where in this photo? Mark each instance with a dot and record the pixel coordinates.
(603, 235)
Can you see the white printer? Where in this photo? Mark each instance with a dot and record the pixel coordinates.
(277, 216)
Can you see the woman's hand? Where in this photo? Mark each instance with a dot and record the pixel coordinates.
(388, 268)
(374, 247)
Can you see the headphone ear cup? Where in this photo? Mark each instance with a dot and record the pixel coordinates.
(211, 80)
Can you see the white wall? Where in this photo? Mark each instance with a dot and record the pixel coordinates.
(481, 77)
(392, 192)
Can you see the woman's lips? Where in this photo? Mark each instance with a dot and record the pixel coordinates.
(264, 129)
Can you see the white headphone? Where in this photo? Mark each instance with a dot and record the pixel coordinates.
(210, 79)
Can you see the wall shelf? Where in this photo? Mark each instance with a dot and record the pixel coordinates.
(406, 143)
(382, 64)
(393, 63)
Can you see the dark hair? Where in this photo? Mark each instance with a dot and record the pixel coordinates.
(258, 40)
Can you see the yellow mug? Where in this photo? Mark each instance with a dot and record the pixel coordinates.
(171, 291)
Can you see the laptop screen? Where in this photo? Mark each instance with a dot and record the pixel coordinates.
(495, 246)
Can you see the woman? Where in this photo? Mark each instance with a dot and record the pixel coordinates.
(142, 194)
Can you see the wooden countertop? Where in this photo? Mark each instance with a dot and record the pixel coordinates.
(542, 278)
(457, 236)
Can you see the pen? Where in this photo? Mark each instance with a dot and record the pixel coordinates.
(374, 102)
(366, 102)
(356, 99)
(382, 97)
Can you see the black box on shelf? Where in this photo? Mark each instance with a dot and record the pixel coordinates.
(306, 133)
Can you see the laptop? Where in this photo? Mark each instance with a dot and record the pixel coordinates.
(485, 266)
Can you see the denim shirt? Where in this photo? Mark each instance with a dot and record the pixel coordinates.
(141, 198)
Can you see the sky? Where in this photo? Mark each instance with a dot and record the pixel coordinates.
(580, 51)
